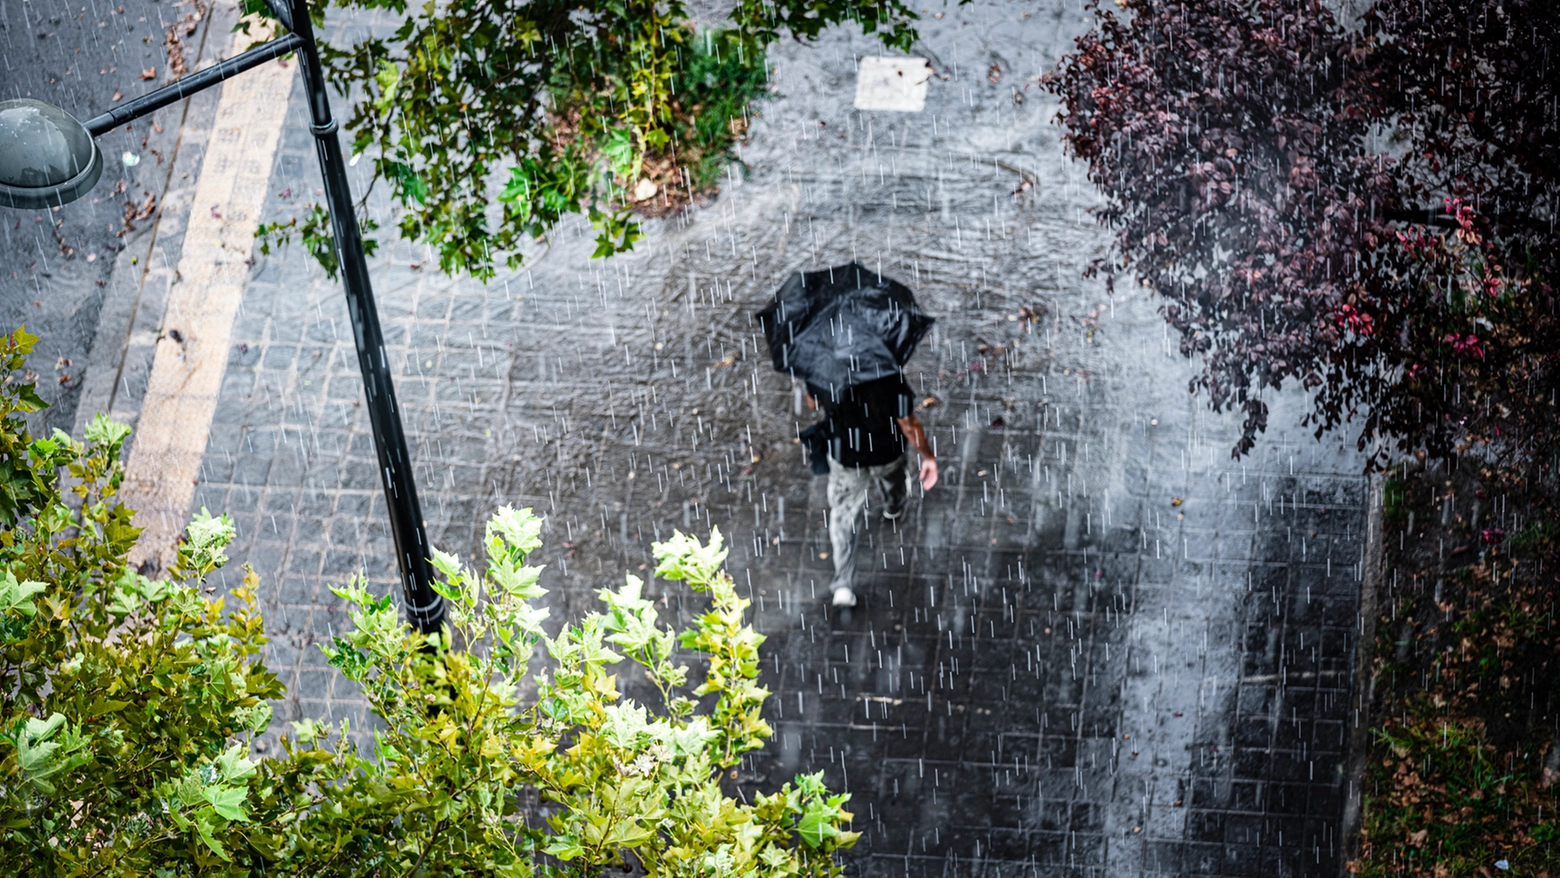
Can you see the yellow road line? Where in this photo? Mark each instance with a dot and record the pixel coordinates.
(192, 351)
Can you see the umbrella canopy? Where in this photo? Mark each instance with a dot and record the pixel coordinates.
(842, 326)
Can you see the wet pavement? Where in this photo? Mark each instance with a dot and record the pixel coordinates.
(58, 269)
(1055, 667)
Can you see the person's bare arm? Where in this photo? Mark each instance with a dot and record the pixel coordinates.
(914, 432)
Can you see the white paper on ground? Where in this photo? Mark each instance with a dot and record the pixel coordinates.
(893, 84)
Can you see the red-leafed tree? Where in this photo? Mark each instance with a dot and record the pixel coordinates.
(1366, 207)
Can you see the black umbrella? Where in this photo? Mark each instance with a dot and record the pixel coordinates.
(842, 326)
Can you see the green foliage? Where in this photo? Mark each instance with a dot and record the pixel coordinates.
(125, 704)
(20, 488)
(319, 237)
(725, 75)
(128, 709)
(618, 780)
(492, 120)
(1436, 768)
(1394, 499)
(1540, 534)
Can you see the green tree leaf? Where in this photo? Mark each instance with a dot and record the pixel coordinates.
(18, 595)
(227, 801)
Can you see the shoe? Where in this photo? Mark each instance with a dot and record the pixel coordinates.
(844, 597)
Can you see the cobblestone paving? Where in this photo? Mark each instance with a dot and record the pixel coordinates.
(1054, 670)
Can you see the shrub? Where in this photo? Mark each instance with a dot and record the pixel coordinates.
(615, 780)
(125, 703)
(128, 708)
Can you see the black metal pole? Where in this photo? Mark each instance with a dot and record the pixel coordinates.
(171, 94)
(424, 606)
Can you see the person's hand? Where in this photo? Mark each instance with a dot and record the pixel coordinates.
(928, 473)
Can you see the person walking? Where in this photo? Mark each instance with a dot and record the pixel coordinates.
(868, 428)
(851, 330)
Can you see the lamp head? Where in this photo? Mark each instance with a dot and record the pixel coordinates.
(47, 158)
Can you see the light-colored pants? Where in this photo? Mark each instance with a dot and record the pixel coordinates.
(849, 488)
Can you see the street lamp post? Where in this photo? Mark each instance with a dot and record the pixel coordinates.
(48, 159)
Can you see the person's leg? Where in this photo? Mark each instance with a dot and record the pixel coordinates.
(894, 487)
(848, 488)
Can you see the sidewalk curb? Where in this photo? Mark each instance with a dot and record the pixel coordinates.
(1364, 679)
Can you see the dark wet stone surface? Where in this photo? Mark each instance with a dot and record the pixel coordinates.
(58, 268)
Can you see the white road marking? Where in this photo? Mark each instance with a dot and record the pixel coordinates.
(192, 351)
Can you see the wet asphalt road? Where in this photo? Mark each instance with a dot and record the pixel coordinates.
(55, 266)
(1054, 669)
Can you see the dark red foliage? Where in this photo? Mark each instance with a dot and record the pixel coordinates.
(1368, 209)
